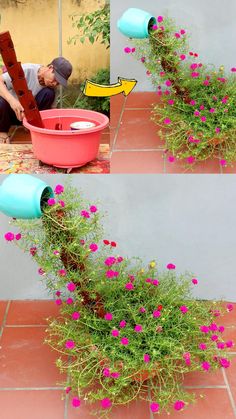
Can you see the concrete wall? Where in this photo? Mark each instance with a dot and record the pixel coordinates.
(211, 25)
(186, 220)
(35, 32)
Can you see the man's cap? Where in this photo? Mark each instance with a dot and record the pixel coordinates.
(62, 70)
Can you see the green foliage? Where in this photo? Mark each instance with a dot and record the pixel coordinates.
(104, 282)
(94, 26)
(193, 87)
(99, 104)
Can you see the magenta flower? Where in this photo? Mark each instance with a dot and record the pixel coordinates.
(167, 121)
(41, 271)
(106, 403)
(193, 66)
(206, 82)
(129, 286)
(184, 309)
(75, 402)
(93, 247)
(212, 110)
(233, 69)
(119, 260)
(124, 341)
(75, 315)
(106, 372)
(70, 344)
(93, 208)
(69, 301)
(220, 345)
(85, 214)
(171, 101)
(33, 251)
(115, 332)
(205, 365)
(213, 327)
(71, 286)
(192, 102)
(138, 328)
(177, 35)
(115, 374)
(221, 329)
(182, 31)
(171, 159)
(56, 252)
(167, 92)
(154, 27)
(111, 274)
(179, 404)
(162, 73)
(230, 307)
(108, 316)
(18, 236)
(194, 74)
(155, 282)
(143, 59)
(9, 236)
(217, 130)
(160, 19)
(204, 329)
(154, 407)
(223, 162)
(110, 261)
(187, 358)
(203, 118)
(62, 272)
(68, 389)
(168, 83)
(214, 338)
(182, 57)
(202, 346)
(148, 73)
(58, 293)
(194, 281)
(170, 266)
(142, 310)
(62, 203)
(51, 202)
(202, 107)
(58, 302)
(224, 362)
(146, 358)
(156, 313)
(127, 50)
(229, 344)
(196, 113)
(122, 324)
(190, 159)
(59, 189)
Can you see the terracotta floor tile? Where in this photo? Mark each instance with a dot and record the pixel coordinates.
(25, 361)
(230, 169)
(137, 409)
(137, 162)
(31, 405)
(137, 131)
(117, 103)
(105, 138)
(228, 319)
(208, 166)
(203, 378)
(215, 404)
(231, 376)
(31, 312)
(3, 306)
(141, 100)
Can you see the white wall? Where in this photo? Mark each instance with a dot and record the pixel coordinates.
(186, 220)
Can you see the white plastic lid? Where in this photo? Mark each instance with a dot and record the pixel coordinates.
(82, 125)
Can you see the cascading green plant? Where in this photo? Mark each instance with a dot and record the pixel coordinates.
(129, 331)
(197, 113)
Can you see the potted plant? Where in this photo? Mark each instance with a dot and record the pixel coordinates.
(196, 114)
(124, 325)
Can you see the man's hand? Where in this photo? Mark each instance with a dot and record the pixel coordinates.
(17, 108)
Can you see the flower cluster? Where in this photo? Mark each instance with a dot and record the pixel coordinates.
(121, 322)
(198, 118)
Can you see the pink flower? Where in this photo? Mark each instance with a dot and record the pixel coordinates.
(192, 102)
(154, 27)
(33, 250)
(142, 310)
(223, 162)
(224, 362)
(233, 69)
(213, 327)
(71, 286)
(190, 159)
(110, 261)
(229, 344)
(220, 345)
(41, 271)
(155, 282)
(187, 358)
(75, 402)
(115, 332)
(58, 302)
(170, 266)
(168, 83)
(75, 315)
(171, 159)
(204, 329)
(202, 107)
(124, 341)
(167, 121)
(133, 49)
(162, 73)
(122, 324)
(167, 92)
(119, 259)
(56, 252)
(214, 98)
(70, 344)
(106, 403)
(182, 57)
(108, 316)
(194, 281)
(193, 66)
(202, 346)
(58, 293)
(111, 274)
(206, 82)
(93, 208)
(115, 374)
(106, 372)
(177, 35)
(205, 365)
(212, 110)
(143, 59)
(93, 247)
(221, 329)
(18, 236)
(51, 202)
(217, 130)
(156, 313)
(182, 31)
(194, 74)
(69, 301)
(62, 203)
(85, 214)
(146, 358)
(9, 236)
(68, 389)
(214, 338)
(179, 404)
(138, 328)
(148, 73)
(230, 307)
(127, 50)
(196, 113)
(171, 101)
(160, 19)
(129, 286)
(62, 272)
(184, 309)
(203, 118)
(154, 407)
(59, 189)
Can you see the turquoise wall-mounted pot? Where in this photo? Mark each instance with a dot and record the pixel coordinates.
(23, 196)
(136, 23)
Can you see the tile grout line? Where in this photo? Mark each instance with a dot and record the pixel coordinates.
(138, 149)
(30, 388)
(16, 326)
(5, 318)
(229, 392)
(204, 387)
(118, 125)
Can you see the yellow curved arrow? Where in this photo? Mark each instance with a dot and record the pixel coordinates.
(124, 86)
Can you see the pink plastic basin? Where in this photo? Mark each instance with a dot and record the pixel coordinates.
(65, 147)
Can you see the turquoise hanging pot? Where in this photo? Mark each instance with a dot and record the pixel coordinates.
(24, 196)
(136, 23)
